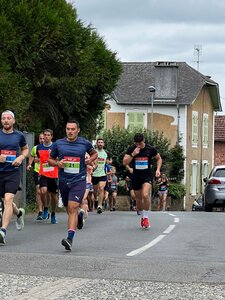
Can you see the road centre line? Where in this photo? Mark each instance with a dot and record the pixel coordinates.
(169, 229)
(146, 247)
(156, 240)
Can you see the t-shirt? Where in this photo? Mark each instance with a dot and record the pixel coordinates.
(10, 146)
(73, 153)
(141, 163)
(43, 152)
(113, 185)
(101, 161)
(33, 153)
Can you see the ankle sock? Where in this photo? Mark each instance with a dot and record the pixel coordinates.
(71, 234)
(4, 230)
(19, 214)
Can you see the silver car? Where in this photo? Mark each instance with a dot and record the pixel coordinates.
(214, 192)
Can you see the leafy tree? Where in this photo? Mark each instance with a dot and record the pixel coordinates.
(52, 66)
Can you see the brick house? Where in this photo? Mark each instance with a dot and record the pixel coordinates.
(219, 141)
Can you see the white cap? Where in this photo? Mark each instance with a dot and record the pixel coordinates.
(8, 112)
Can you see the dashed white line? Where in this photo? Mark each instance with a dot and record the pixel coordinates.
(169, 229)
(156, 240)
(146, 247)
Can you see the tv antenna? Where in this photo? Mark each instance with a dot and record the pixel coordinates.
(198, 52)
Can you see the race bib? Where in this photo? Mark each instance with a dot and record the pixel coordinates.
(46, 167)
(9, 154)
(141, 163)
(71, 164)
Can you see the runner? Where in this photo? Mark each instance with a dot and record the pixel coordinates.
(48, 176)
(13, 150)
(34, 161)
(140, 155)
(69, 155)
(99, 176)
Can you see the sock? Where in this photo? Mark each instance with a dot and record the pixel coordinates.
(52, 214)
(145, 214)
(45, 208)
(4, 230)
(19, 214)
(71, 233)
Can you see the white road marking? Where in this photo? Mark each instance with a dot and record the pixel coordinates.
(146, 247)
(169, 229)
(172, 215)
(156, 240)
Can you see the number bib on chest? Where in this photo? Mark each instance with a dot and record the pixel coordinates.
(71, 164)
(46, 167)
(9, 154)
(141, 163)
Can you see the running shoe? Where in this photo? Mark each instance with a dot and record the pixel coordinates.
(2, 237)
(138, 212)
(39, 216)
(20, 220)
(114, 209)
(146, 223)
(80, 222)
(99, 210)
(67, 243)
(53, 219)
(45, 214)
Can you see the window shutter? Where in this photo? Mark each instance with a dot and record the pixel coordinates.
(191, 180)
(135, 120)
(205, 134)
(194, 128)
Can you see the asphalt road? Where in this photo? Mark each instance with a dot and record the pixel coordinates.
(180, 257)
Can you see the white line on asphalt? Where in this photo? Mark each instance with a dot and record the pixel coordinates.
(169, 229)
(146, 247)
(176, 220)
(172, 215)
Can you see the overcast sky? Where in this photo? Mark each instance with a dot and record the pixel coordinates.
(162, 30)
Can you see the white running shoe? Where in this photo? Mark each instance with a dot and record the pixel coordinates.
(20, 220)
(2, 237)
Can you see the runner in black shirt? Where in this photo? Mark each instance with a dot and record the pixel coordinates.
(139, 156)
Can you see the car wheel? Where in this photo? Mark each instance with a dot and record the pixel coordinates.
(208, 207)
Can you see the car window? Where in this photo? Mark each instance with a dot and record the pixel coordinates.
(219, 173)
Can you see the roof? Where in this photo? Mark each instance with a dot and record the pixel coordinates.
(174, 82)
(219, 134)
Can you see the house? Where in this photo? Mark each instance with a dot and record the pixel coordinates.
(219, 141)
(184, 103)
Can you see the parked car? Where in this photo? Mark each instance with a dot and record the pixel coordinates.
(198, 204)
(214, 191)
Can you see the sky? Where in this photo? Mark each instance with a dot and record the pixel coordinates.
(162, 30)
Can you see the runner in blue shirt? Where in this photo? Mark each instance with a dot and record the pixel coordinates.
(69, 155)
(13, 150)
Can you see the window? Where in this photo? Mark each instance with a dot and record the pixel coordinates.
(194, 129)
(205, 130)
(135, 120)
(194, 177)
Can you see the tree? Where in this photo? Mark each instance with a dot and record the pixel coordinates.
(53, 67)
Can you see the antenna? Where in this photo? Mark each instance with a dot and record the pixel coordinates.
(198, 52)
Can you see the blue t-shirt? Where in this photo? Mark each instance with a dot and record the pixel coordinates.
(73, 154)
(10, 146)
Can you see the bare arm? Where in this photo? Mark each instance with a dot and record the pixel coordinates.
(159, 164)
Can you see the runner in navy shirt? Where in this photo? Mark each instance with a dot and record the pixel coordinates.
(13, 150)
(69, 155)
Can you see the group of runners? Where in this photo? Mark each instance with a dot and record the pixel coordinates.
(70, 166)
